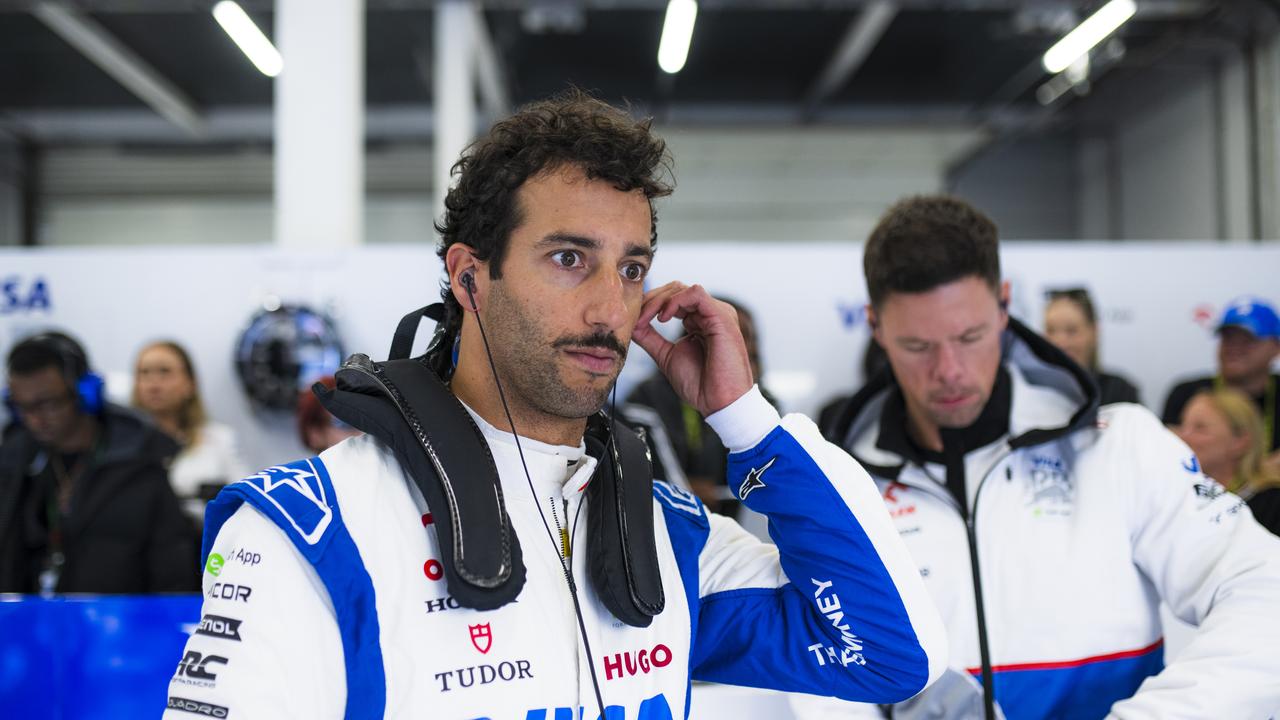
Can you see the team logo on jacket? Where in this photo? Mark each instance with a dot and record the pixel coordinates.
(850, 650)
(1050, 489)
(890, 495)
(625, 664)
(217, 626)
(481, 637)
(1192, 465)
(197, 707)
(479, 675)
(297, 492)
(197, 669)
(754, 480)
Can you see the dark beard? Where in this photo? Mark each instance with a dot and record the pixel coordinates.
(529, 364)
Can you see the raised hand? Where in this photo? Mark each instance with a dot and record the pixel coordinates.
(708, 367)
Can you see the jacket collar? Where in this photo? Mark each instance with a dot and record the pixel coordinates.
(1046, 396)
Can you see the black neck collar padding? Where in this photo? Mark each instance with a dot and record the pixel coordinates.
(406, 405)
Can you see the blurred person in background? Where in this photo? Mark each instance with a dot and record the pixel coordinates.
(165, 387)
(318, 430)
(1071, 323)
(680, 436)
(1248, 343)
(1047, 530)
(1225, 430)
(85, 501)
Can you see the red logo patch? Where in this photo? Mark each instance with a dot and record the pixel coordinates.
(481, 637)
(433, 569)
(891, 491)
(427, 520)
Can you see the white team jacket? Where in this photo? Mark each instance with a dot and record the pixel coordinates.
(324, 597)
(1078, 540)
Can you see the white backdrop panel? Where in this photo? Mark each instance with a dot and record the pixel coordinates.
(1157, 302)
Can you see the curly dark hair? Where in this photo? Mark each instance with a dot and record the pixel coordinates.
(926, 241)
(570, 129)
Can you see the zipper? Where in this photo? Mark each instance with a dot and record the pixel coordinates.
(984, 650)
(971, 535)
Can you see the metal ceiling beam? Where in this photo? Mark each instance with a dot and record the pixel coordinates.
(1149, 8)
(859, 40)
(121, 63)
(415, 123)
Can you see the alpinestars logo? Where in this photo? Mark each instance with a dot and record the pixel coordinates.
(196, 666)
(217, 626)
(197, 708)
(481, 637)
(754, 480)
(298, 492)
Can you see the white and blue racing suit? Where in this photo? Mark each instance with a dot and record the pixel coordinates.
(325, 597)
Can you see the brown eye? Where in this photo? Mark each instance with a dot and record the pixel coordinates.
(566, 258)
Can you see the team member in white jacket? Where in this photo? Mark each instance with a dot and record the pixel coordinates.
(327, 598)
(1048, 531)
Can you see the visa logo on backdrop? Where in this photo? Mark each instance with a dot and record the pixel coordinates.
(18, 295)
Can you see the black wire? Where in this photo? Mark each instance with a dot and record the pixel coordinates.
(555, 542)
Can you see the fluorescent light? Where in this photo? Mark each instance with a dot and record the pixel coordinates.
(1089, 33)
(246, 34)
(677, 31)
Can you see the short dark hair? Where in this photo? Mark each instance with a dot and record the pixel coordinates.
(570, 129)
(926, 241)
(50, 349)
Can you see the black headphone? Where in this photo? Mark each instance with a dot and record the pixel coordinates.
(468, 279)
(89, 387)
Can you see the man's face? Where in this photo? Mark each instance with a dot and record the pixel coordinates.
(560, 319)
(45, 405)
(1242, 356)
(944, 346)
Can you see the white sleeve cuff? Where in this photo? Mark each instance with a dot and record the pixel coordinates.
(745, 421)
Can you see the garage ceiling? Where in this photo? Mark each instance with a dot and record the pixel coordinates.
(754, 60)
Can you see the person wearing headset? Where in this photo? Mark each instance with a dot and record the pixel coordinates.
(85, 502)
(1048, 530)
(341, 586)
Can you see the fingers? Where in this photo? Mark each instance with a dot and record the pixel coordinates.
(677, 300)
(652, 342)
(656, 300)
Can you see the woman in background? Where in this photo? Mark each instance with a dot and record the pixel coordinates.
(1071, 323)
(165, 387)
(1224, 429)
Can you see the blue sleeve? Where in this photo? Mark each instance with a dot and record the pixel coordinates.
(836, 608)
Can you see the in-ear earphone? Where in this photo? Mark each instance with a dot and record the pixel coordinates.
(468, 279)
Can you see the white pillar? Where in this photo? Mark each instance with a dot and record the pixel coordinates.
(319, 124)
(454, 102)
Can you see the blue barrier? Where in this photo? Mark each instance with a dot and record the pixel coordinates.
(82, 657)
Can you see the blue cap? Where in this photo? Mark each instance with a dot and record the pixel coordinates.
(1252, 314)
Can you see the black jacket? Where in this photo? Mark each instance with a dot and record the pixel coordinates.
(125, 533)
